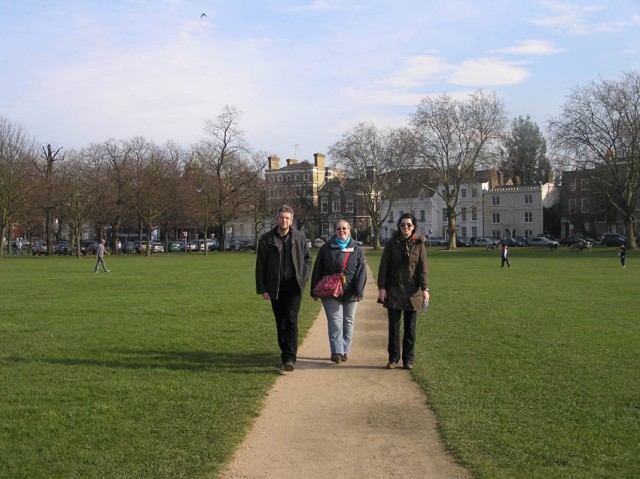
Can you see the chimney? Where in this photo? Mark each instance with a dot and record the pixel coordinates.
(318, 159)
(291, 161)
(274, 162)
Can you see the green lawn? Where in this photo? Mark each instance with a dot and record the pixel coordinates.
(534, 371)
(157, 369)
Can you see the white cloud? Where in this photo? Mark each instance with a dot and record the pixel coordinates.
(485, 72)
(532, 47)
(420, 69)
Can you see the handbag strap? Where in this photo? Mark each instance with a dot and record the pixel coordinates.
(346, 259)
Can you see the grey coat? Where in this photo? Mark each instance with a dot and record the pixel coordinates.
(404, 278)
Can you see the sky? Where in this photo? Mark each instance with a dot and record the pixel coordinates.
(301, 73)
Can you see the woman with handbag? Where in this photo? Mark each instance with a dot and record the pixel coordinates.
(403, 288)
(340, 258)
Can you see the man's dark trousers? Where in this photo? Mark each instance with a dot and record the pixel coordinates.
(285, 310)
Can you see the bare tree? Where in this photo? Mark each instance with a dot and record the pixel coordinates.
(599, 129)
(233, 167)
(376, 160)
(455, 138)
(17, 154)
(76, 199)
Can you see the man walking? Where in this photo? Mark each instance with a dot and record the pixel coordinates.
(505, 256)
(283, 266)
(100, 252)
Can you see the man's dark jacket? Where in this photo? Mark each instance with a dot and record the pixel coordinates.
(268, 261)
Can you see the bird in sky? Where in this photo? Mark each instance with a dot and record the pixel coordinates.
(203, 15)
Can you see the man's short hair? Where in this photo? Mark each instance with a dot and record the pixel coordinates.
(285, 209)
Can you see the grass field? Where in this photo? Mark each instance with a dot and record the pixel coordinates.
(156, 369)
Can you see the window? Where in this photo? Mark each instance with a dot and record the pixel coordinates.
(463, 214)
(584, 205)
(305, 177)
(495, 234)
(271, 179)
(324, 205)
(528, 199)
(584, 184)
(495, 218)
(474, 231)
(423, 216)
(390, 217)
(573, 185)
(464, 231)
(444, 215)
(474, 192)
(463, 192)
(572, 205)
(474, 214)
(528, 233)
(296, 177)
(288, 178)
(336, 205)
(350, 205)
(279, 178)
(528, 217)
(495, 200)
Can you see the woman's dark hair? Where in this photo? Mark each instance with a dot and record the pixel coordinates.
(405, 216)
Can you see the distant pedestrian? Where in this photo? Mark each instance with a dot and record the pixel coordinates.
(505, 256)
(100, 252)
(17, 247)
(623, 254)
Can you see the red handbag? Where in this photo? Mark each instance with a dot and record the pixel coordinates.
(330, 286)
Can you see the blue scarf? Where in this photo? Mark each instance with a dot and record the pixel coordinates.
(343, 244)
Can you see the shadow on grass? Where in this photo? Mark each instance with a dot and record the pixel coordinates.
(169, 360)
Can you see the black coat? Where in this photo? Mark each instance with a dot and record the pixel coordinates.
(329, 261)
(403, 277)
(268, 262)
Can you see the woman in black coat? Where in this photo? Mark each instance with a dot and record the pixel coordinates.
(403, 288)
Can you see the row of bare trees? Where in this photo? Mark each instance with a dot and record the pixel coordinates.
(448, 139)
(133, 184)
(119, 183)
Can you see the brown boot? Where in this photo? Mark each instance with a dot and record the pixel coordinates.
(336, 358)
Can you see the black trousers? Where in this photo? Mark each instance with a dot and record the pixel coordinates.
(409, 338)
(285, 310)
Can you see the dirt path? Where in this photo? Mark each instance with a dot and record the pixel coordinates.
(349, 420)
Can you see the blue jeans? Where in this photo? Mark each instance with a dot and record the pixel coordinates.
(340, 317)
(409, 338)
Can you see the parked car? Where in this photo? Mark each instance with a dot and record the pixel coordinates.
(174, 247)
(39, 248)
(129, 248)
(612, 239)
(62, 249)
(543, 241)
(437, 241)
(575, 239)
(517, 241)
(485, 243)
(461, 242)
(157, 247)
